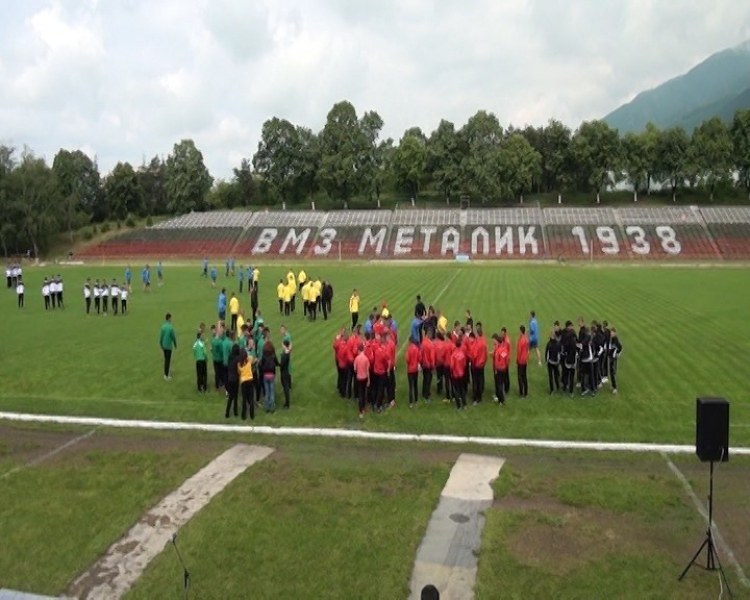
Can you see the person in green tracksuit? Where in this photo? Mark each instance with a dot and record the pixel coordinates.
(167, 342)
(201, 366)
(217, 357)
(226, 349)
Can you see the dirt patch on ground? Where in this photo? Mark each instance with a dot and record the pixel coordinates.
(20, 446)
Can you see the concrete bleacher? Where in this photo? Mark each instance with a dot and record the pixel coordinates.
(528, 232)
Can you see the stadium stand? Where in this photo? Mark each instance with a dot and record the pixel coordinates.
(663, 233)
(730, 228)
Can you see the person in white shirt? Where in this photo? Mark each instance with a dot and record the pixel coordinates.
(97, 294)
(19, 292)
(114, 292)
(87, 295)
(60, 292)
(104, 291)
(53, 292)
(124, 299)
(9, 275)
(45, 293)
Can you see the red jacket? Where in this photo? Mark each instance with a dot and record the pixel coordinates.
(380, 359)
(412, 358)
(352, 345)
(342, 353)
(427, 353)
(391, 346)
(468, 346)
(522, 350)
(370, 351)
(501, 356)
(458, 363)
(479, 352)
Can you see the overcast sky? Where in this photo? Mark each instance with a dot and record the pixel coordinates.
(126, 79)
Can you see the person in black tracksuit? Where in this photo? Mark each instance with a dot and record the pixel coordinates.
(588, 382)
(614, 349)
(597, 346)
(569, 358)
(552, 356)
(604, 362)
(582, 331)
(286, 375)
(233, 381)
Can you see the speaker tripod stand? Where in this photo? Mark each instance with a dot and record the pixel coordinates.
(712, 556)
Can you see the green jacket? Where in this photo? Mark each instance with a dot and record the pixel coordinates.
(199, 350)
(167, 338)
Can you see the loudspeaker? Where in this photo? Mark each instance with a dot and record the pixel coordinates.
(712, 429)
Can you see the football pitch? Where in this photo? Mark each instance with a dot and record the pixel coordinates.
(343, 518)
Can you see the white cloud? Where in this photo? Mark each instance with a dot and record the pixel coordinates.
(126, 79)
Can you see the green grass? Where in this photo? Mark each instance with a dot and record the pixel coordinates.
(684, 331)
(58, 516)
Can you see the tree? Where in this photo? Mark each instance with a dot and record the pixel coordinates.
(186, 178)
(34, 190)
(443, 158)
(371, 157)
(635, 160)
(479, 143)
(595, 150)
(555, 149)
(410, 161)
(8, 235)
(650, 140)
(345, 152)
(151, 178)
(740, 132)
(79, 189)
(521, 163)
(245, 182)
(672, 155)
(123, 191)
(712, 147)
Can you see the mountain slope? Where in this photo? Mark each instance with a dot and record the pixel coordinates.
(716, 87)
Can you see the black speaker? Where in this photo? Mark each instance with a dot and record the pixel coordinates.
(712, 429)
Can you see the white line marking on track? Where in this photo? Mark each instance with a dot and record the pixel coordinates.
(360, 435)
(434, 303)
(715, 528)
(35, 461)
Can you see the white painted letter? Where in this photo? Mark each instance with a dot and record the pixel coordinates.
(451, 241)
(325, 237)
(404, 241)
(526, 238)
(369, 239)
(504, 241)
(475, 235)
(265, 239)
(427, 232)
(297, 241)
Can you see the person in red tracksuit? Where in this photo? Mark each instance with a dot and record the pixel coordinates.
(439, 361)
(449, 345)
(506, 341)
(370, 344)
(478, 360)
(500, 360)
(427, 360)
(468, 347)
(355, 339)
(380, 368)
(341, 350)
(522, 359)
(458, 374)
(412, 371)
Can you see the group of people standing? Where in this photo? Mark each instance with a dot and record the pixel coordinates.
(105, 295)
(456, 359)
(316, 295)
(14, 277)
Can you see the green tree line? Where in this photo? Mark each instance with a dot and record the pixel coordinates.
(348, 159)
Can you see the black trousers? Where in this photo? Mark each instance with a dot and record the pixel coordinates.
(124, 306)
(241, 282)
(218, 374)
(167, 361)
(248, 403)
(412, 380)
(97, 304)
(360, 386)
(523, 382)
(53, 298)
(355, 318)
(391, 385)
(426, 383)
(46, 303)
(499, 387)
(324, 306)
(233, 325)
(60, 299)
(477, 378)
(105, 300)
(349, 386)
(328, 305)
(201, 374)
(281, 306)
(294, 302)
(459, 391)
(506, 381)
(287, 309)
(286, 385)
(380, 385)
(20, 300)
(553, 374)
(588, 381)
(312, 310)
(114, 305)
(88, 304)
(341, 373)
(233, 388)
(448, 381)
(569, 378)
(613, 372)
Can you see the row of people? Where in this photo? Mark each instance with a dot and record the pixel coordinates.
(105, 295)
(13, 274)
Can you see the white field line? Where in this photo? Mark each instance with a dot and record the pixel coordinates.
(35, 461)
(360, 435)
(113, 574)
(715, 528)
(434, 303)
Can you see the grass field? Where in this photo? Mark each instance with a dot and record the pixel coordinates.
(685, 333)
(342, 519)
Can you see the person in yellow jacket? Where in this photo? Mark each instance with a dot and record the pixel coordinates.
(240, 320)
(313, 295)
(354, 307)
(291, 281)
(256, 278)
(234, 310)
(245, 371)
(287, 298)
(304, 291)
(280, 295)
(442, 323)
(318, 294)
(302, 277)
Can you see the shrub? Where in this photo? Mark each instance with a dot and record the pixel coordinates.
(130, 221)
(105, 227)
(149, 221)
(88, 233)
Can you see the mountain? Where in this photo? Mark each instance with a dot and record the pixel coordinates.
(718, 86)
